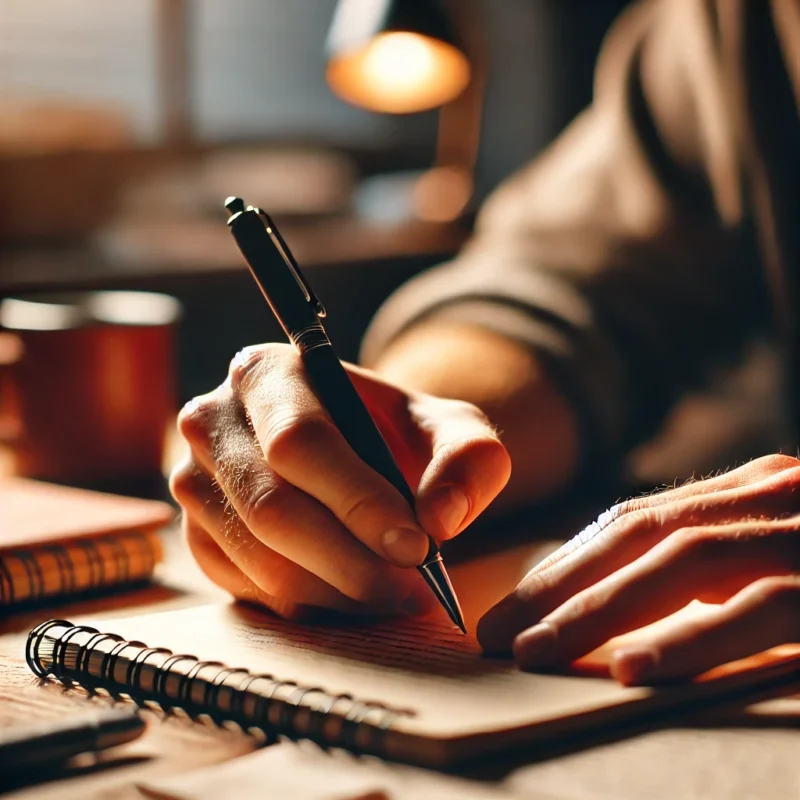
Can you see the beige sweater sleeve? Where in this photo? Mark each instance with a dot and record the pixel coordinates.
(623, 255)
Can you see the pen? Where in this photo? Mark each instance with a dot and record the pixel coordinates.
(26, 747)
(299, 313)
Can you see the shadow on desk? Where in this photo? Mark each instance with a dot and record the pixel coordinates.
(135, 598)
(83, 766)
(775, 707)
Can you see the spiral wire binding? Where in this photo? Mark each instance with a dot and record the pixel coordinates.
(41, 649)
(64, 559)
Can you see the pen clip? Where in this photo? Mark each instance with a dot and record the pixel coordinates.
(288, 258)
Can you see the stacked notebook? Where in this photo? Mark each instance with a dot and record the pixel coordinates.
(58, 541)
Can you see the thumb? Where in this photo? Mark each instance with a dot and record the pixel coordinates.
(468, 468)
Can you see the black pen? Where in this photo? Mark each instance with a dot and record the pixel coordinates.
(36, 745)
(299, 312)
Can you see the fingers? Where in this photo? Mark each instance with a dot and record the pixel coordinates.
(660, 583)
(221, 570)
(763, 615)
(468, 469)
(694, 492)
(281, 517)
(621, 536)
(753, 471)
(272, 577)
(301, 444)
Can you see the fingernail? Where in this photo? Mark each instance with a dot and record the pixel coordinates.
(632, 665)
(535, 646)
(450, 506)
(405, 547)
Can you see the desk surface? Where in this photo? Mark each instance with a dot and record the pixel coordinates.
(735, 753)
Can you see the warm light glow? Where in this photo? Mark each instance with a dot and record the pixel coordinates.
(399, 73)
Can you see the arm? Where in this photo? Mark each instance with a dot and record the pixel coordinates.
(601, 281)
(619, 261)
(622, 264)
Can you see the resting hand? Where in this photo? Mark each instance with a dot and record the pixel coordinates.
(733, 540)
(279, 510)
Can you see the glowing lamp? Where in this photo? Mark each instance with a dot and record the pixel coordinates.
(403, 57)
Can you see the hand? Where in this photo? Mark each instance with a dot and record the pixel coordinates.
(279, 510)
(732, 540)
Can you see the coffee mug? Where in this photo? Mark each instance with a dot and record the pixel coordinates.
(87, 385)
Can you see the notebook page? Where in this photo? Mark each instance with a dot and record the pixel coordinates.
(423, 667)
(434, 676)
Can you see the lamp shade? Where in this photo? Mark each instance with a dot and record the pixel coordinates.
(394, 56)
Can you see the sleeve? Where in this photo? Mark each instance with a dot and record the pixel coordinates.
(622, 255)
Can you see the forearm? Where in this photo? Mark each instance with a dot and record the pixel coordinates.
(504, 379)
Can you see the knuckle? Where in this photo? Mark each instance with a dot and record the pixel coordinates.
(198, 419)
(777, 462)
(246, 366)
(629, 506)
(252, 363)
(184, 482)
(636, 520)
(789, 482)
(292, 438)
(355, 507)
(181, 481)
(535, 584)
(779, 591)
(583, 605)
(700, 545)
(264, 510)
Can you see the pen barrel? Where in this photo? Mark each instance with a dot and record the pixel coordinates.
(53, 741)
(281, 289)
(343, 403)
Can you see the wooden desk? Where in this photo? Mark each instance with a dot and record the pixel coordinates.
(730, 755)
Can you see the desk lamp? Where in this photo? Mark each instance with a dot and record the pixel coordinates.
(404, 57)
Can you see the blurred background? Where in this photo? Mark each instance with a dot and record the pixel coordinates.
(125, 125)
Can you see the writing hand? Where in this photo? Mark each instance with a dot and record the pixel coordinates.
(732, 540)
(279, 510)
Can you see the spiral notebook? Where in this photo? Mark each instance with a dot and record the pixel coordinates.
(410, 690)
(59, 541)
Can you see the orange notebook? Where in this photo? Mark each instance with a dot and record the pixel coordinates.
(56, 540)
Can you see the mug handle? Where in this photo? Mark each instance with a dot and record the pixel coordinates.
(11, 351)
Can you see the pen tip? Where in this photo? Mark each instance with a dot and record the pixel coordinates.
(234, 205)
(437, 579)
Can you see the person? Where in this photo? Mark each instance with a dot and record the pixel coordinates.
(644, 247)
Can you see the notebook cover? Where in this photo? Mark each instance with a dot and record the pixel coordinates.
(33, 513)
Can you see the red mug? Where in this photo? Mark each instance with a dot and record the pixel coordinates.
(87, 385)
